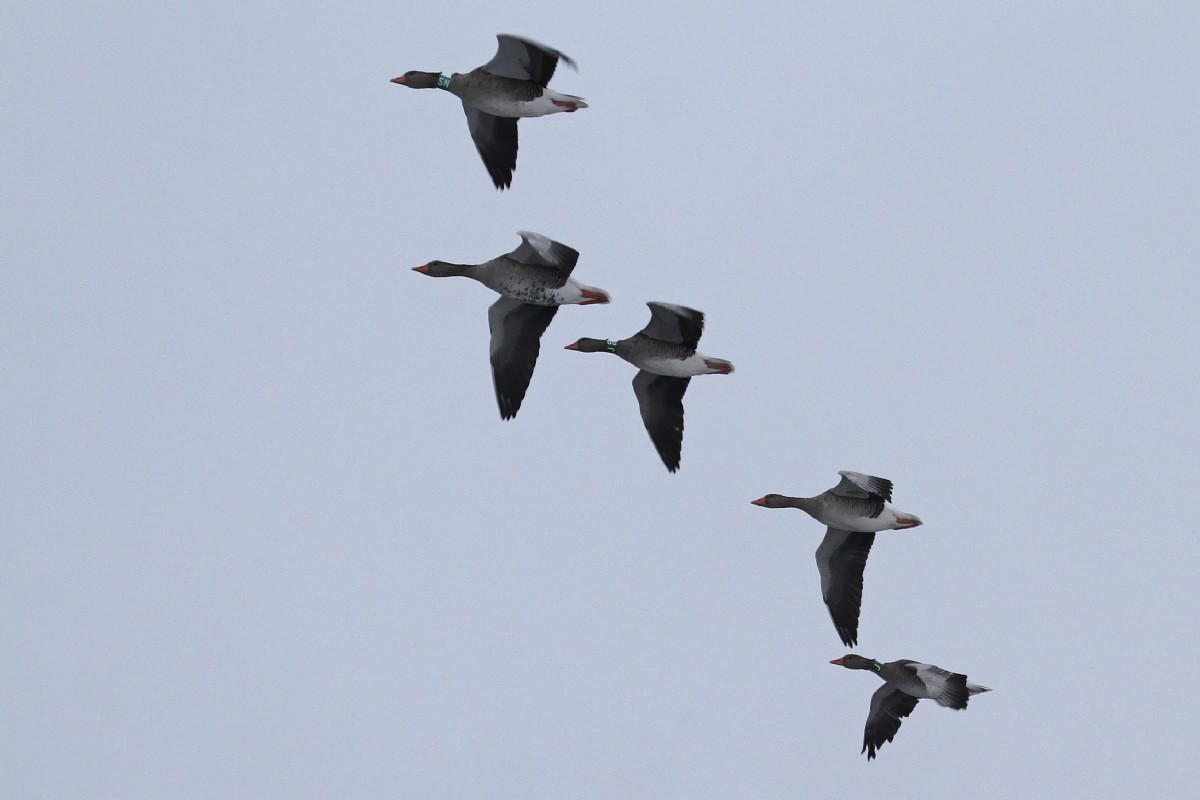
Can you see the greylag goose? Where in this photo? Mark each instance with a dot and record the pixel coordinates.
(665, 353)
(906, 682)
(534, 280)
(494, 96)
(854, 510)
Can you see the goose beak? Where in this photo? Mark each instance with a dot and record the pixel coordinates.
(839, 661)
(762, 501)
(423, 269)
(572, 346)
(401, 80)
(593, 297)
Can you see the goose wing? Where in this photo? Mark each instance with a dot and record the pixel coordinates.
(544, 251)
(841, 560)
(676, 324)
(858, 485)
(660, 398)
(517, 330)
(947, 688)
(888, 707)
(525, 60)
(496, 140)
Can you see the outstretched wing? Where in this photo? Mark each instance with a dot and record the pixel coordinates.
(660, 398)
(525, 60)
(841, 560)
(496, 140)
(888, 706)
(947, 688)
(544, 251)
(676, 324)
(856, 484)
(517, 330)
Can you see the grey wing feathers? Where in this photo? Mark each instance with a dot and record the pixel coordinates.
(544, 251)
(954, 692)
(496, 140)
(660, 399)
(525, 60)
(888, 706)
(676, 324)
(841, 560)
(947, 688)
(517, 330)
(856, 484)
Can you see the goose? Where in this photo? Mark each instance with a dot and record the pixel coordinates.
(533, 281)
(906, 682)
(665, 354)
(494, 96)
(854, 510)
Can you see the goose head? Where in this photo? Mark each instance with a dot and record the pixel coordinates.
(415, 79)
(775, 501)
(441, 269)
(586, 345)
(852, 661)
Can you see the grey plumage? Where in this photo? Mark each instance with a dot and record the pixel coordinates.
(858, 494)
(853, 511)
(533, 281)
(516, 330)
(665, 353)
(492, 96)
(905, 682)
(841, 561)
(660, 399)
(889, 706)
(674, 324)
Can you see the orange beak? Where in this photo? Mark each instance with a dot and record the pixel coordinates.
(572, 346)
(423, 269)
(399, 80)
(838, 661)
(762, 501)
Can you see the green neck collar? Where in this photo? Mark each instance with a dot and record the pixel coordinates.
(610, 345)
(875, 665)
(443, 82)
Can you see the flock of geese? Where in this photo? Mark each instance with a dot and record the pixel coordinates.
(535, 279)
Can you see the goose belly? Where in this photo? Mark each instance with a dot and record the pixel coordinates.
(506, 107)
(849, 521)
(673, 367)
(527, 291)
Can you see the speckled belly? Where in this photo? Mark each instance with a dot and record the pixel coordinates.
(525, 292)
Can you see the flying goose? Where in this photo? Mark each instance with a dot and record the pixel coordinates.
(665, 353)
(854, 510)
(494, 96)
(906, 682)
(534, 280)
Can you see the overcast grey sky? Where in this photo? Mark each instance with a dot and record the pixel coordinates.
(264, 533)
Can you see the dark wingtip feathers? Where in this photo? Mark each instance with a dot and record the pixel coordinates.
(501, 176)
(955, 694)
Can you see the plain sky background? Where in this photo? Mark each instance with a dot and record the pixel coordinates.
(264, 533)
